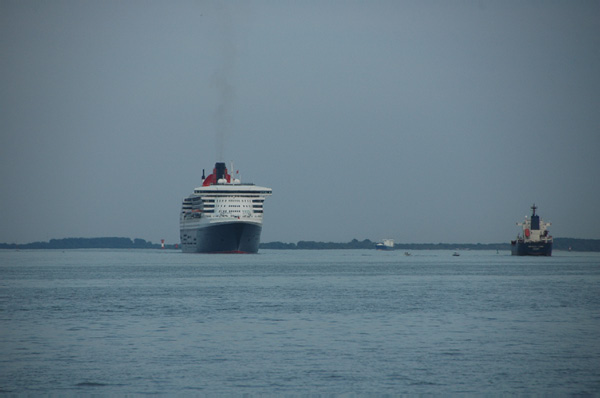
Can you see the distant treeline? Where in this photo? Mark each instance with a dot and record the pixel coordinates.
(87, 243)
(589, 245)
(585, 245)
(578, 245)
(368, 244)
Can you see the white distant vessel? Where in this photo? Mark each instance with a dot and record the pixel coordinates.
(223, 215)
(386, 244)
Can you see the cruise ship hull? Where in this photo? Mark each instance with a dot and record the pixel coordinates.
(520, 248)
(225, 237)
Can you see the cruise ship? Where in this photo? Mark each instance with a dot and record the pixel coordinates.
(223, 215)
(535, 240)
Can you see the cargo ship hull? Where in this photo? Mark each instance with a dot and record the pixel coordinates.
(234, 237)
(531, 248)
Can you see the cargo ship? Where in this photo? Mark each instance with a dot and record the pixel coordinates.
(535, 240)
(223, 215)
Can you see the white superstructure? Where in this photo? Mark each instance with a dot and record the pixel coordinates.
(534, 229)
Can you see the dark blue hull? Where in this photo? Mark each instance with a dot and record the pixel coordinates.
(235, 237)
(520, 248)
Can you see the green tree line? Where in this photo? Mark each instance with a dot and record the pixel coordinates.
(87, 243)
(584, 245)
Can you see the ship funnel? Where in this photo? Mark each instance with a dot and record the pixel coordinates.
(220, 170)
(535, 219)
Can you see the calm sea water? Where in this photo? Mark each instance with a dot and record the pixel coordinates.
(305, 322)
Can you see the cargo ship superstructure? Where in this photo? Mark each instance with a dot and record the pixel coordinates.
(223, 215)
(535, 240)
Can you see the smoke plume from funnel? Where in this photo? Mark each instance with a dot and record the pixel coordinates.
(223, 80)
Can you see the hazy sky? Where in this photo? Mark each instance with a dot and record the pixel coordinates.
(421, 121)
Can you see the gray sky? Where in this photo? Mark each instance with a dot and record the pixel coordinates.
(421, 121)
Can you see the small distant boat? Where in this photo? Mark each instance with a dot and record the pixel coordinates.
(386, 244)
(455, 254)
(406, 253)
